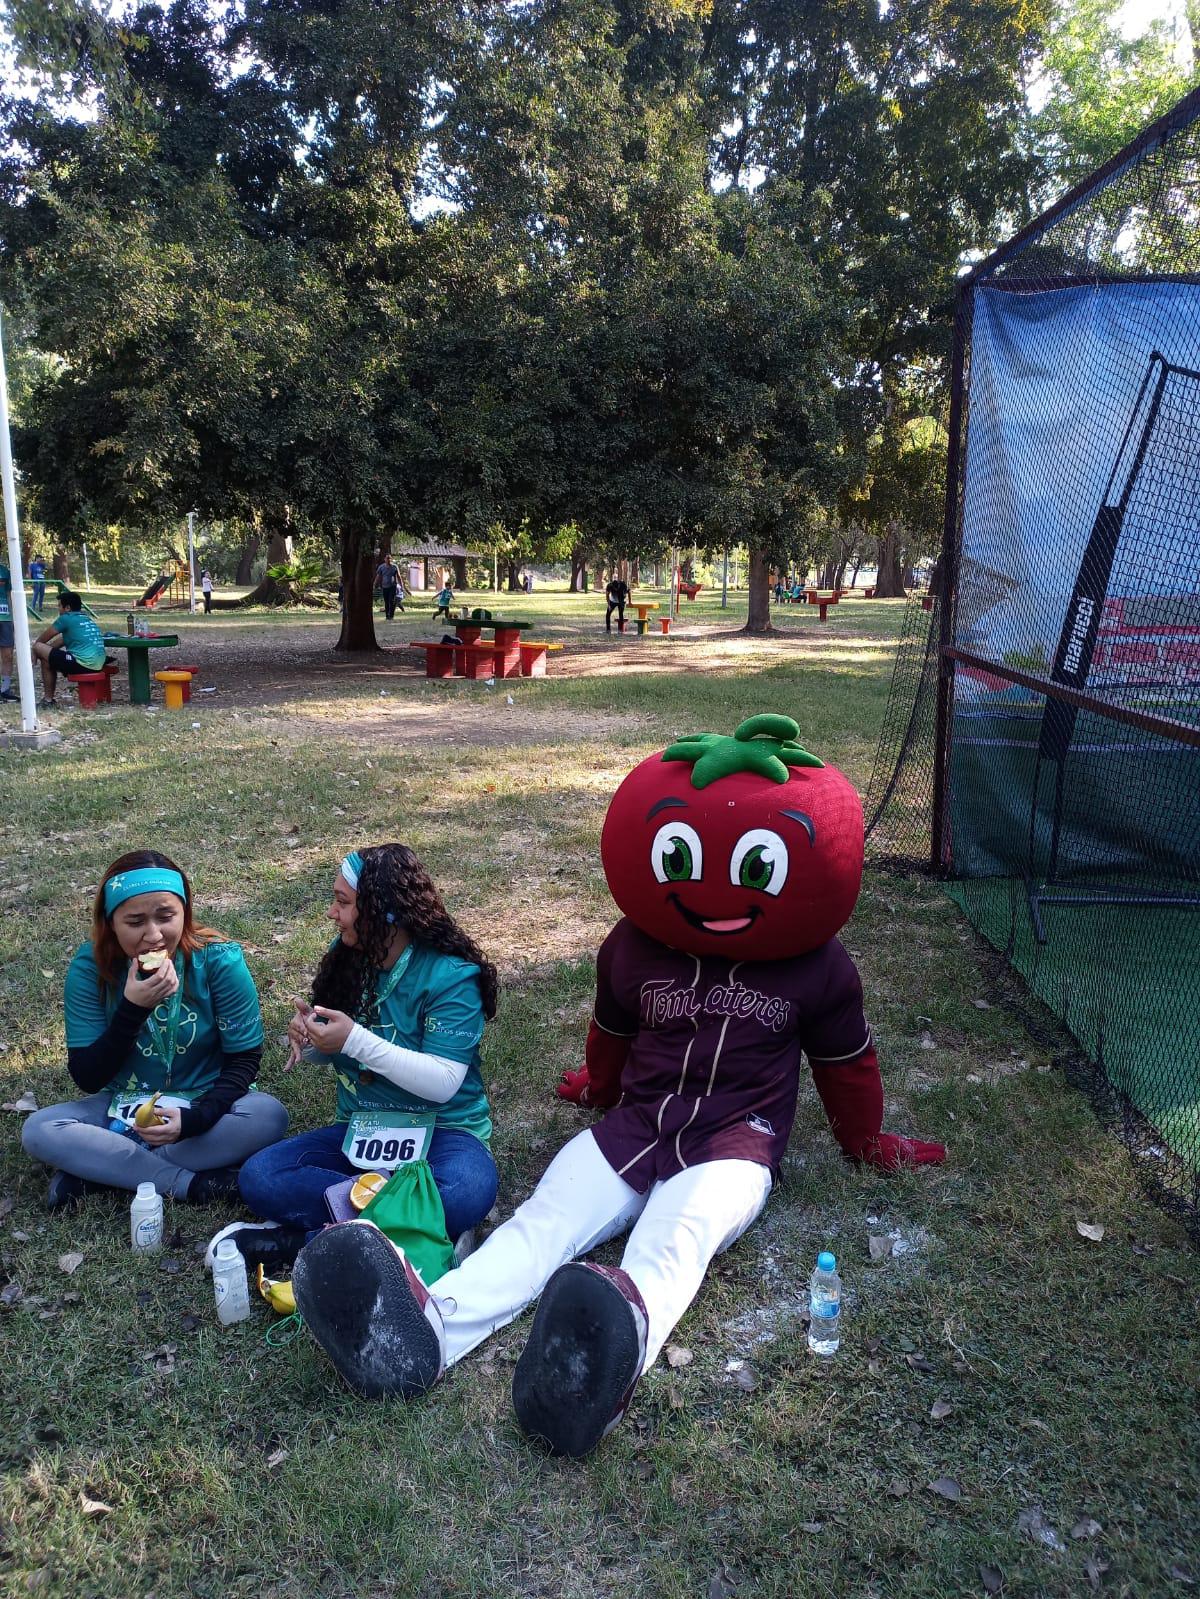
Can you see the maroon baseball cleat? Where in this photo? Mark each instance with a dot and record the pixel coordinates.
(576, 1375)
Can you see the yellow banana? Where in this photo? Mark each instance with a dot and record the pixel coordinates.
(278, 1295)
(146, 1115)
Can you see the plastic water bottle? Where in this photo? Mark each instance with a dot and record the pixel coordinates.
(229, 1283)
(824, 1306)
(146, 1220)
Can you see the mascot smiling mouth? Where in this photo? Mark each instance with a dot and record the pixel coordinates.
(733, 924)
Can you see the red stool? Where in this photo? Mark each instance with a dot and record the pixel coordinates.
(187, 687)
(94, 688)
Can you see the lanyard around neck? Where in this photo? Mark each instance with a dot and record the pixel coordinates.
(390, 979)
(163, 1041)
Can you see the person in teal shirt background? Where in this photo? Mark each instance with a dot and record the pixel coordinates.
(74, 643)
(188, 1029)
(400, 1003)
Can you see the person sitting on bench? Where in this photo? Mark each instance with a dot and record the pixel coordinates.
(72, 644)
(616, 597)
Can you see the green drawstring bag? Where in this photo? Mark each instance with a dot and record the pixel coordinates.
(408, 1208)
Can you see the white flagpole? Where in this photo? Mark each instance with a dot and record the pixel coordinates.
(24, 658)
(192, 562)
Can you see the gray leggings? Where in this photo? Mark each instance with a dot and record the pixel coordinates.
(75, 1137)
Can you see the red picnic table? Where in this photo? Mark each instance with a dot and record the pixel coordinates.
(824, 601)
(504, 649)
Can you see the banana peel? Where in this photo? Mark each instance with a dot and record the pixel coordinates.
(146, 1115)
(278, 1295)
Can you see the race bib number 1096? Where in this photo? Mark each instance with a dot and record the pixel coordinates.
(384, 1140)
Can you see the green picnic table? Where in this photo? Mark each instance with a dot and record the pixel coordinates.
(139, 660)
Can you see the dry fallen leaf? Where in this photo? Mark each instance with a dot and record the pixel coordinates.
(1085, 1527)
(93, 1507)
(1036, 1528)
(898, 1488)
(879, 1247)
(277, 1459)
(721, 1585)
(678, 1356)
(992, 1579)
(1095, 1570)
(27, 1101)
(1090, 1229)
(940, 1409)
(946, 1488)
(70, 1262)
(981, 1004)
(812, 1526)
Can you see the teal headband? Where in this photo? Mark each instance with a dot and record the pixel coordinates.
(145, 880)
(351, 866)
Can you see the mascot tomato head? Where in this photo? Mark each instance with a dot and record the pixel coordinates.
(747, 847)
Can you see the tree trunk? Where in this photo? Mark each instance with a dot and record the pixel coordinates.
(358, 592)
(889, 584)
(245, 566)
(62, 566)
(280, 551)
(513, 582)
(635, 569)
(578, 569)
(758, 580)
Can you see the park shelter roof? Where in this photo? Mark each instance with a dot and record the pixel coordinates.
(431, 550)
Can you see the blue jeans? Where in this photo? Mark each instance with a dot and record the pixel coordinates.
(287, 1182)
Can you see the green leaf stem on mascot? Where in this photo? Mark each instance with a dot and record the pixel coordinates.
(736, 861)
(748, 848)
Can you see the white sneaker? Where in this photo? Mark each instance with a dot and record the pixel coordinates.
(228, 1232)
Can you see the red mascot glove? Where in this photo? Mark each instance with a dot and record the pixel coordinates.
(598, 1080)
(852, 1094)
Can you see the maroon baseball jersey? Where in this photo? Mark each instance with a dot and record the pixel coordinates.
(714, 1068)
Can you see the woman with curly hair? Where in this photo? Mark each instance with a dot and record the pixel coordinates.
(399, 1006)
(157, 1007)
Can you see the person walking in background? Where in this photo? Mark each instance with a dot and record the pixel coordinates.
(37, 576)
(616, 596)
(387, 579)
(206, 590)
(445, 599)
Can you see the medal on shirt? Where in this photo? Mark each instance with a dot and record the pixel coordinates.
(163, 1037)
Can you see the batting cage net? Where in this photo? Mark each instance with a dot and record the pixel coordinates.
(1042, 744)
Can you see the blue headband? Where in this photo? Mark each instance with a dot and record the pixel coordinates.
(145, 880)
(350, 868)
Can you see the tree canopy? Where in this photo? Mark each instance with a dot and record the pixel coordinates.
(596, 274)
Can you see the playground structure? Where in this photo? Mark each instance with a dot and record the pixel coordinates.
(169, 591)
(1041, 750)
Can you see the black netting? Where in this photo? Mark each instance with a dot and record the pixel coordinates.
(1042, 745)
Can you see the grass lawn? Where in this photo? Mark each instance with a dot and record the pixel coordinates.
(1068, 1460)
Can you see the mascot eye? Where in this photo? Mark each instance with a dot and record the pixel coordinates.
(759, 861)
(677, 854)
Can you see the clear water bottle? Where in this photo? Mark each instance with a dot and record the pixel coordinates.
(230, 1287)
(146, 1220)
(824, 1306)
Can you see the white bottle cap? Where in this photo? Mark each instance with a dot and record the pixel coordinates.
(227, 1250)
(146, 1191)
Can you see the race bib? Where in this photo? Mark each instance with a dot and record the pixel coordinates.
(381, 1140)
(124, 1106)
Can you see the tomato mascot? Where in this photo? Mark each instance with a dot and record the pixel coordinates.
(736, 861)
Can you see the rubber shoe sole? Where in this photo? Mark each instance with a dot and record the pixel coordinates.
(576, 1370)
(353, 1293)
